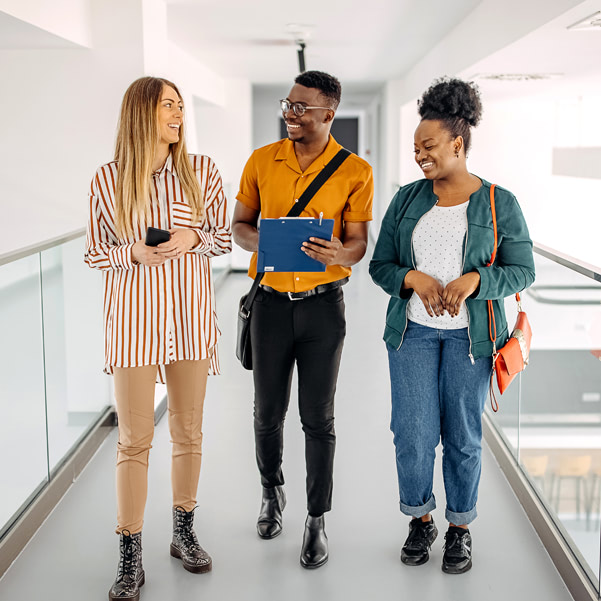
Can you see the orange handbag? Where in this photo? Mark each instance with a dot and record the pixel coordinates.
(513, 357)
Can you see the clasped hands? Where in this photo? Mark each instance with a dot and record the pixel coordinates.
(438, 299)
(182, 240)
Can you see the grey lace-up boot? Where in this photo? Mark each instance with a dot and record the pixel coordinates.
(185, 545)
(130, 573)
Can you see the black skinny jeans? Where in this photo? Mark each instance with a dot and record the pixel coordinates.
(311, 333)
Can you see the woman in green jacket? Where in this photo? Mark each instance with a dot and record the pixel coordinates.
(434, 244)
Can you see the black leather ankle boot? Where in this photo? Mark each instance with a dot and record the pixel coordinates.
(130, 573)
(314, 552)
(185, 545)
(269, 524)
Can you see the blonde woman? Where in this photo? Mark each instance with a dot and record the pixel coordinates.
(159, 307)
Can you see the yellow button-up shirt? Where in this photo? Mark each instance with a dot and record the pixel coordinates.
(271, 182)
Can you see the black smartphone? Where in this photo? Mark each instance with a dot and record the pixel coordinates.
(156, 236)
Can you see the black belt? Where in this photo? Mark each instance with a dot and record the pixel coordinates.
(307, 293)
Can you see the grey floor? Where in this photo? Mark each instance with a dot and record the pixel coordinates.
(73, 556)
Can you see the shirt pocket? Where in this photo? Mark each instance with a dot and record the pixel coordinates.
(182, 215)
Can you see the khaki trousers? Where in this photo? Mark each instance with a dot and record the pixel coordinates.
(134, 393)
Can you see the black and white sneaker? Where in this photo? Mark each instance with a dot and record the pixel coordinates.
(457, 556)
(416, 549)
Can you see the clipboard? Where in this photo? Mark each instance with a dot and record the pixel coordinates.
(280, 242)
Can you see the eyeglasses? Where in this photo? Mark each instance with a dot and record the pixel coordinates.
(297, 108)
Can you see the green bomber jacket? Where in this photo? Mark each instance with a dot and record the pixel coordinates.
(512, 271)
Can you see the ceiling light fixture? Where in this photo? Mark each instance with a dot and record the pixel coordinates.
(301, 33)
(517, 76)
(591, 23)
(301, 55)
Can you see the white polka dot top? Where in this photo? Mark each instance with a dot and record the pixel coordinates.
(438, 251)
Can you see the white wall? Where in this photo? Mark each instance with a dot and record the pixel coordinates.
(58, 113)
(374, 153)
(58, 117)
(155, 37)
(390, 144)
(59, 107)
(514, 147)
(490, 27)
(197, 78)
(223, 132)
(266, 113)
(69, 19)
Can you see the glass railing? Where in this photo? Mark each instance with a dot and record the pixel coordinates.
(550, 418)
(52, 389)
(53, 392)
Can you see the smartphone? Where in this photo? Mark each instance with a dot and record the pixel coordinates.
(156, 236)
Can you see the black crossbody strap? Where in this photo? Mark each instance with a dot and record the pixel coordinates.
(299, 206)
(318, 182)
(252, 292)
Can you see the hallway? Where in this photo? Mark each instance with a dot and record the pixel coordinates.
(73, 556)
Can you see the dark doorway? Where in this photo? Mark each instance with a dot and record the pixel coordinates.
(344, 129)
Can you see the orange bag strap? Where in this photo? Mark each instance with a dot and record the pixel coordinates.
(494, 404)
(492, 326)
(494, 224)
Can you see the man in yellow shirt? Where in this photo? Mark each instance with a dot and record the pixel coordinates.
(299, 317)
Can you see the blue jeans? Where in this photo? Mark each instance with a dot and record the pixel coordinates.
(438, 394)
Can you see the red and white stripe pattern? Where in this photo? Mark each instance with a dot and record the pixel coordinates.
(158, 315)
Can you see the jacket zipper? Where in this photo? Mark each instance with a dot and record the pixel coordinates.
(467, 310)
(413, 265)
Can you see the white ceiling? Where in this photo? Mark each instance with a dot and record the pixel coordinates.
(572, 56)
(356, 40)
(363, 42)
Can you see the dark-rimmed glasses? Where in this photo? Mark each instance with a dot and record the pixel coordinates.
(297, 108)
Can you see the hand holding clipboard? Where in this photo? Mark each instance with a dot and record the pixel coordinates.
(324, 251)
(281, 241)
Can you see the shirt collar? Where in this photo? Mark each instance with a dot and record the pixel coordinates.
(286, 153)
(167, 166)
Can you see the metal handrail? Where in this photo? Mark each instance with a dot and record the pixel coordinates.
(586, 269)
(535, 292)
(38, 247)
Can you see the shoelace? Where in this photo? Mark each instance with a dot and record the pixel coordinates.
(417, 534)
(455, 545)
(189, 537)
(126, 566)
(185, 531)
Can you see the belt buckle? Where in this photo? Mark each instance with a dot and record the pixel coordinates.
(293, 298)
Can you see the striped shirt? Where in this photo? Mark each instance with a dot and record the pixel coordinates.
(161, 314)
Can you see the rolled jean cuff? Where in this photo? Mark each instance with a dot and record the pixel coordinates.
(459, 519)
(419, 510)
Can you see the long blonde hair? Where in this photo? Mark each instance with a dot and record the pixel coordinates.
(138, 137)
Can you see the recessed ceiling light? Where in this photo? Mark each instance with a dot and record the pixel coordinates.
(300, 31)
(591, 23)
(517, 76)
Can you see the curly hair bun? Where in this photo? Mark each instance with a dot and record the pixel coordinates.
(451, 98)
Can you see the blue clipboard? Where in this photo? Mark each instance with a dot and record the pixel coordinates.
(280, 242)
